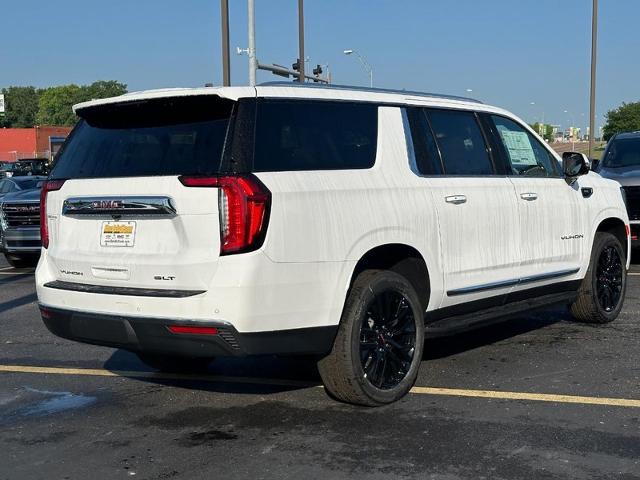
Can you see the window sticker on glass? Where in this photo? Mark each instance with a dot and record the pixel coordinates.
(518, 146)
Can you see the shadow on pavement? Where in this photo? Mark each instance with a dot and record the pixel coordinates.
(17, 302)
(250, 375)
(510, 327)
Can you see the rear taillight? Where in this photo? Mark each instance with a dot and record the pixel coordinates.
(243, 207)
(49, 186)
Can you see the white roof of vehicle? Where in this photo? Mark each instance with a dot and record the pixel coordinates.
(311, 91)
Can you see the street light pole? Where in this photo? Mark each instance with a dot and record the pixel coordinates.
(364, 64)
(301, 39)
(224, 14)
(253, 63)
(592, 99)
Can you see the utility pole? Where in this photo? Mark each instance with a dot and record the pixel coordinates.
(253, 63)
(301, 39)
(224, 16)
(592, 100)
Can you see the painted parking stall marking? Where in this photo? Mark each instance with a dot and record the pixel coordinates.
(451, 392)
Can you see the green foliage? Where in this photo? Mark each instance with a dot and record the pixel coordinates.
(55, 104)
(21, 105)
(55, 107)
(27, 106)
(625, 118)
(104, 89)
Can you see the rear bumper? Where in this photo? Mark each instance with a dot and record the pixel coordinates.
(152, 335)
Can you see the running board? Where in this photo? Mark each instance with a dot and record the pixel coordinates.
(469, 321)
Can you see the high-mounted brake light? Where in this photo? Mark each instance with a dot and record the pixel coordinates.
(244, 204)
(49, 186)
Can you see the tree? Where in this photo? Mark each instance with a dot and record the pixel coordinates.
(56, 103)
(104, 89)
(21, 105)
(625, 118)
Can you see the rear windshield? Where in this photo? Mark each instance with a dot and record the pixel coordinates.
(623, 153)
(169, 136)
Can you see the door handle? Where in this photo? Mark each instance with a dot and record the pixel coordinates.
(456, 199)
(529, 196)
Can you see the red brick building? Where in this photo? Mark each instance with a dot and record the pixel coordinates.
(41, 142)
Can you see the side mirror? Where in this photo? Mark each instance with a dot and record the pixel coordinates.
(574, 164)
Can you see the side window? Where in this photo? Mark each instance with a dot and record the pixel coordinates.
(315, 135)
(525, 153)
(424, 146)
(461, 143)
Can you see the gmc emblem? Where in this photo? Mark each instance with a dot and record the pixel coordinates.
(33, 208)
(107, 204)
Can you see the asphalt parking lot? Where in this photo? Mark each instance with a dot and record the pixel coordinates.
(537, 397)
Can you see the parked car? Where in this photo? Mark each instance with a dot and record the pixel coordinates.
(31, 166)
(7, 169)
(20, 226)
(334, 221)
(621, 162)
(17, 184)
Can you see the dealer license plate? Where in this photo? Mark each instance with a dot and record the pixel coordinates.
(118, 234)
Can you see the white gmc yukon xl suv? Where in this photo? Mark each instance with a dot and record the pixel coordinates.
(339, 222)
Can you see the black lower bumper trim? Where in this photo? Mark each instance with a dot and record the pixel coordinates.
(132, 291)
(152, 335)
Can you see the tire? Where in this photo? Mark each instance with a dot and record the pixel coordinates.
(601, 294)
(175, 364)
(351, 372)
(18, 261)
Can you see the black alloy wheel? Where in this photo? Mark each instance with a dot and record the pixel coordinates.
(377, 351)
(387, 339)
(601, 294)
(609, 279)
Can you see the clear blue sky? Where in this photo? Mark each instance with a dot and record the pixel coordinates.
(510, 53)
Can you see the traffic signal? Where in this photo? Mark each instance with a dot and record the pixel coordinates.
(296, 66)
(317, 71)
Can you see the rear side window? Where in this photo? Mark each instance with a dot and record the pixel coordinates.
(170, 136)
(314, 135)
(461, 143)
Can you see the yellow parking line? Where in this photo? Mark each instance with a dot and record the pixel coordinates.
(151, 375)
(452, 392)
(633, 273)
(537, 397)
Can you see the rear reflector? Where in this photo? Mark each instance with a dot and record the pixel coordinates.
(192, 330)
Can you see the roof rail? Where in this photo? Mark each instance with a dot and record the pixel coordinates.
(367, 89)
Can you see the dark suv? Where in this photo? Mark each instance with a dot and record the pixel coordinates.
(621, 162)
